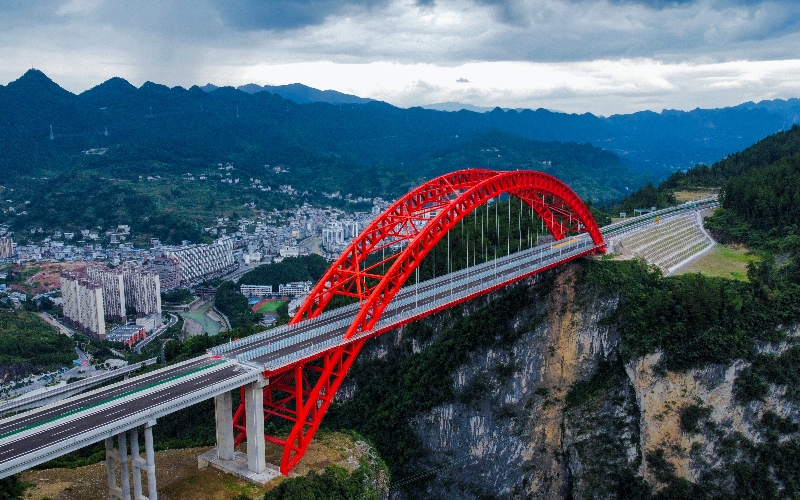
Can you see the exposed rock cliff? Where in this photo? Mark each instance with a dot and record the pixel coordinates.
(541, 405)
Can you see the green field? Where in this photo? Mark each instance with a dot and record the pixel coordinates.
(722, 261)
(270, 307)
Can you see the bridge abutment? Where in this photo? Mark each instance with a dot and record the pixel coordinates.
(117, 458)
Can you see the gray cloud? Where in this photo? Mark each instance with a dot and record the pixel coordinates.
(285, 14)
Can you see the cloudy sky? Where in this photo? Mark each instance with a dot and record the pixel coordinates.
(600, 56)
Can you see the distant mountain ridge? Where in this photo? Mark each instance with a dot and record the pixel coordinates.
(297, 92)
(365, 132)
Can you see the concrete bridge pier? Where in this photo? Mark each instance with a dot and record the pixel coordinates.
(254, 413)
(251, 466)
(117, 458)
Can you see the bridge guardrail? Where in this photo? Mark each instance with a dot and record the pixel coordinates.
(635, 221)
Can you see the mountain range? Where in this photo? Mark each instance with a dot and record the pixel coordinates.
(100, 146)
(364, 131)
(297, 92)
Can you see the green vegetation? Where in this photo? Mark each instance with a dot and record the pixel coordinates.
(760, 194)
(271, 306)
(722, 261)
(694, 319)
(761, 471)
(691, 416)
(647, 197)
(176, 351)
(334, 483)
(595, 174)
(26, 339)
(234, 305)
(11, 488)
(752, 384)
(306, 268)
(179, 296)
(603, 416)
(584, 392)
(761, 207)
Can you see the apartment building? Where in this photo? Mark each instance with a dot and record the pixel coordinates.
(200, 262)
(142, 290)
(112, 282)
(82, 301)
(6, 247)
(169, 271)
(255, 290)
(294, 288)
(127, 289)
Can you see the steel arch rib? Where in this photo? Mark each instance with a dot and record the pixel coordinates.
(519, 183)
(452, 197)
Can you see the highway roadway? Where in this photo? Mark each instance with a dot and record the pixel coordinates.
(26, 438)
(443, 291)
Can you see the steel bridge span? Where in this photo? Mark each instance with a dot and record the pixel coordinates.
(293, 372)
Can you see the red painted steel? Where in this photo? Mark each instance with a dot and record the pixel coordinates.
(301, 393)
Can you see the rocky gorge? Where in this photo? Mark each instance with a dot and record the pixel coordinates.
(531, 392)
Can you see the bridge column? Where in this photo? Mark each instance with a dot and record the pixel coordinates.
(113, 457)
(223, 413)
(135, 460)
(254, 408)
(148, 464)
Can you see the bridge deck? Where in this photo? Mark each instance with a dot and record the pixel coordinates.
(276, 349)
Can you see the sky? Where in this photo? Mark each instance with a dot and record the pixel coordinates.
(598, 56)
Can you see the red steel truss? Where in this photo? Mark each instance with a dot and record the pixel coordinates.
(410, 228)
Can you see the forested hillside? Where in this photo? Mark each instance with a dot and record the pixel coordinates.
(760, 193)
(19, 330)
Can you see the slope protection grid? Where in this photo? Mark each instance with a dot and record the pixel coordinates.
(672, 242)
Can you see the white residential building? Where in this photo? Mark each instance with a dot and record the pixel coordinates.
(333, 234)
(113, 290)
(255, 290)
(201, 262)
(83, 303)
(295, 288)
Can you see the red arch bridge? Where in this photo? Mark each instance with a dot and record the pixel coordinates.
(293, 372)
(313, 363)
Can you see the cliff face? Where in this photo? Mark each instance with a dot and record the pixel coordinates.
(553, 412)
(699, 455)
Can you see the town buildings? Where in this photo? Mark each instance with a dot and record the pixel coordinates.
(142, 290)
(255, 290)
(295, 288)
(112, 282)
(128, 289)
(127, 334)
(97, 294)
